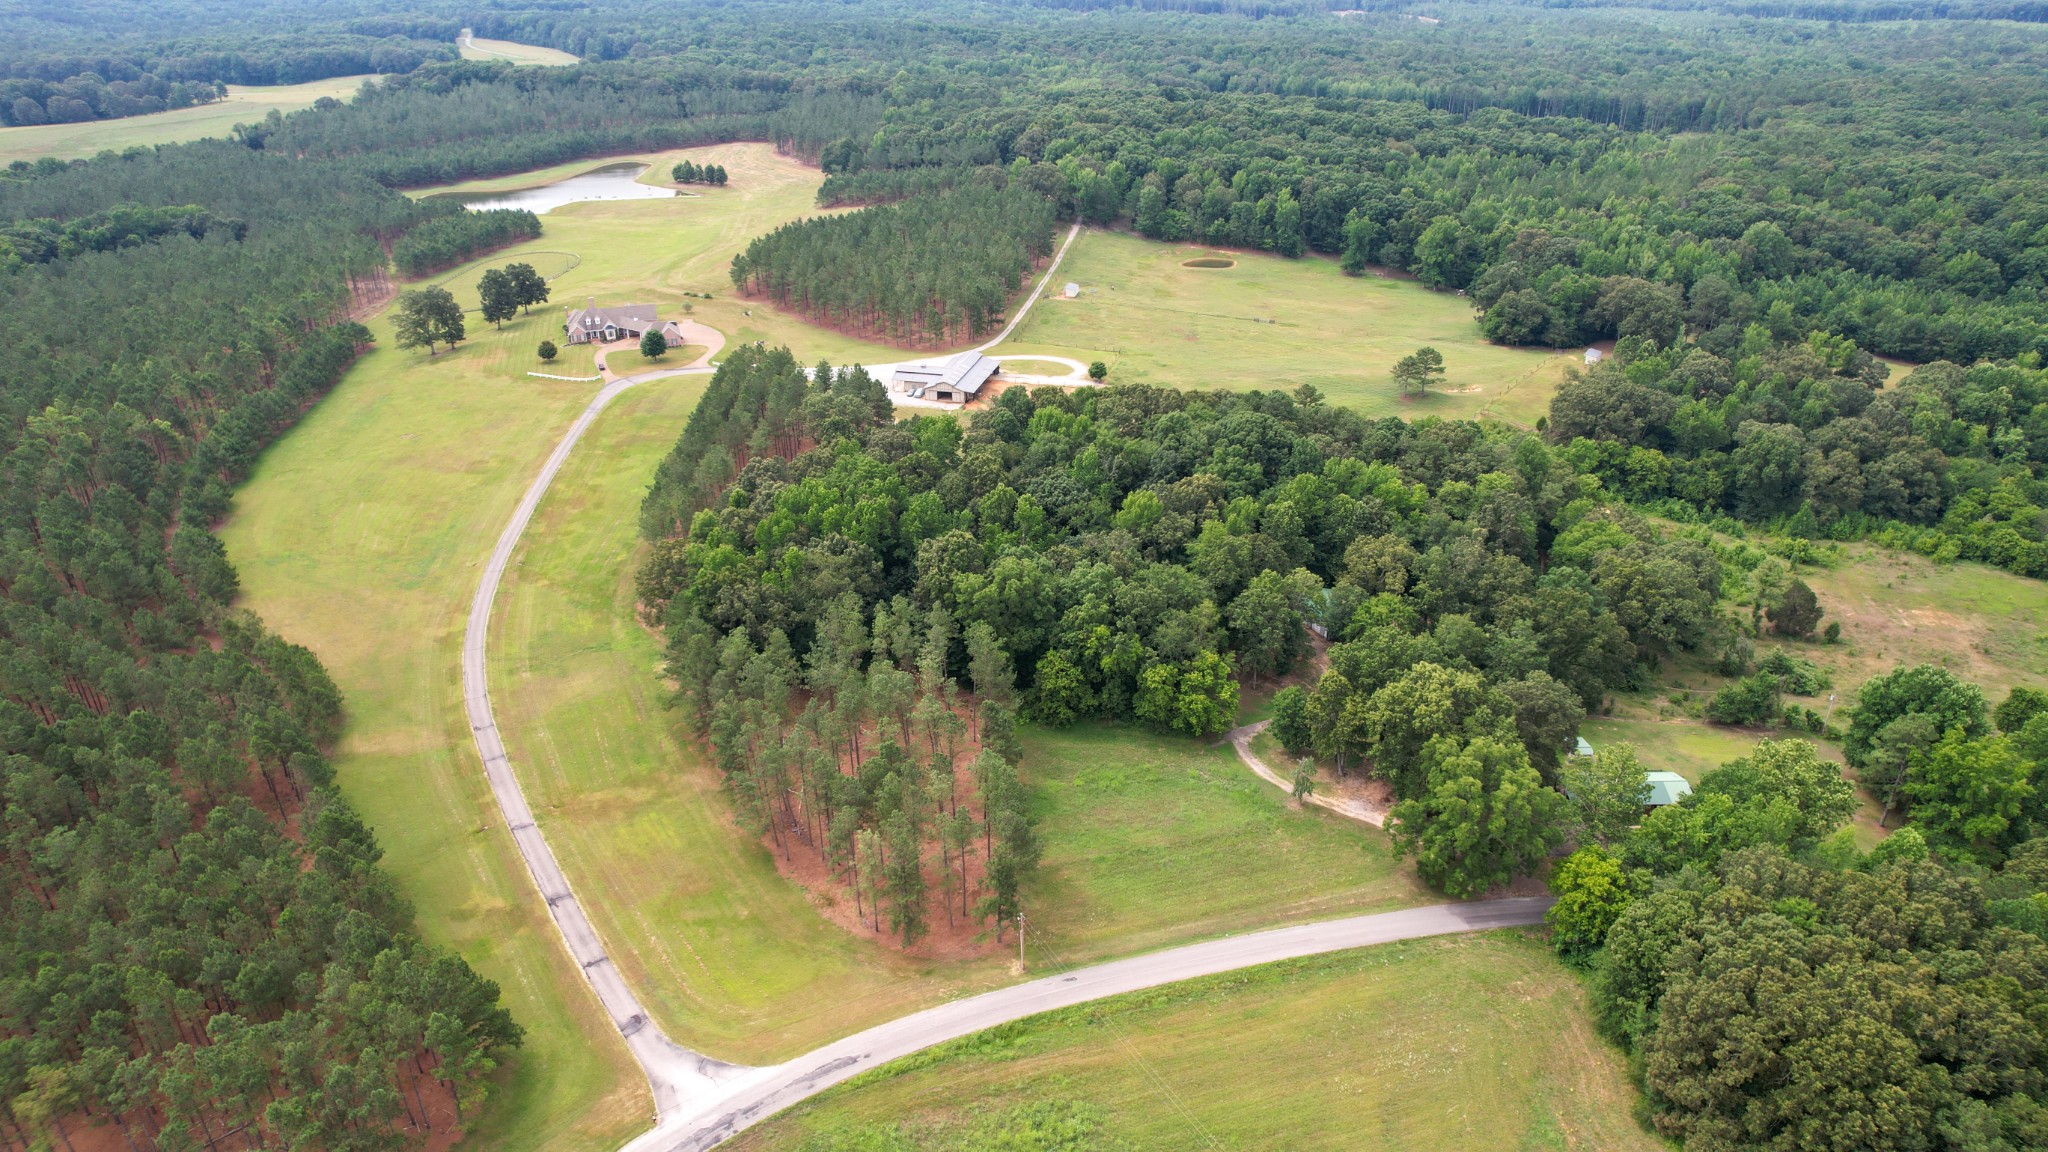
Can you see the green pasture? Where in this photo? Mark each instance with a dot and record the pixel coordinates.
(359, 535)
(1152, 840)
(245, 104)
(522, 54)
(1269, 322)
(1472, 1042)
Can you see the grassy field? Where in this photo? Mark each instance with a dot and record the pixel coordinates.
(523, 54)
(358, 535)
(1477, 1042)
(243, 105)
(1269, 322)
(1987, 626)
(1153, 840)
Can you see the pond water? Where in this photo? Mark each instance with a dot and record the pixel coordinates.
(611, 182)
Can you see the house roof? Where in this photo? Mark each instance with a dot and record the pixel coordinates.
(966, 372)
(1667, 788)
(593, 319)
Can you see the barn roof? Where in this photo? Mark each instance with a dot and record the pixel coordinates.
(966, 373)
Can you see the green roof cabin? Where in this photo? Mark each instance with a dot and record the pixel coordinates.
(1667, 788)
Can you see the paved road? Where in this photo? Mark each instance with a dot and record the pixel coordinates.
(674, 1073)
(754, 1096)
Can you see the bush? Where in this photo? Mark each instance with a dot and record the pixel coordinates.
(1799, 676)
(1751, 701)
(547, 350)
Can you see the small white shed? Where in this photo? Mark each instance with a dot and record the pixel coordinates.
(1071, 290)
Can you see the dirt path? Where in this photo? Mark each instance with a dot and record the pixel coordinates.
(1356, 809)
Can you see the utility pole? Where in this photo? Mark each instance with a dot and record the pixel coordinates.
(1020, 934)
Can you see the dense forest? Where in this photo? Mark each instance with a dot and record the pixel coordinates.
(458, 235)
(1948, 461)
(200, 944)
(932, 269)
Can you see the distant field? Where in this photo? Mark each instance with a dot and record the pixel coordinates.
(1269, 322)
(1477, 1043)
(531, 54)
(243, 105)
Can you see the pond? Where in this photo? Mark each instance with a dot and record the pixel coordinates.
(611, 182)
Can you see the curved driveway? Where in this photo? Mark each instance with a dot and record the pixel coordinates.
(674, 1073)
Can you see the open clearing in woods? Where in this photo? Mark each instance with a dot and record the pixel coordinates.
(1987, 626)
(1269, 322)
(245, 104)
(522, 54)
(1457, 1043)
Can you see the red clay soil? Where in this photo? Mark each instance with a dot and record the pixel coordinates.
(99, 1133)
(949, 935)
(965, 937)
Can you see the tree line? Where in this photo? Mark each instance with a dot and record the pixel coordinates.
(1752, 959)
(690, 172)
(202, 948)
(42, 240)
(1805, 437)
(931, 269)
(444, 241)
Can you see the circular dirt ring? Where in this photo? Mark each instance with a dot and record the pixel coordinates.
(1209, 262)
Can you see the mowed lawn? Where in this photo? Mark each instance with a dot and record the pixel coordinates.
(359, 536)
(731, 957)
(1478, 1043)
(245, 104)
(1270, 322)
(1153, 840)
